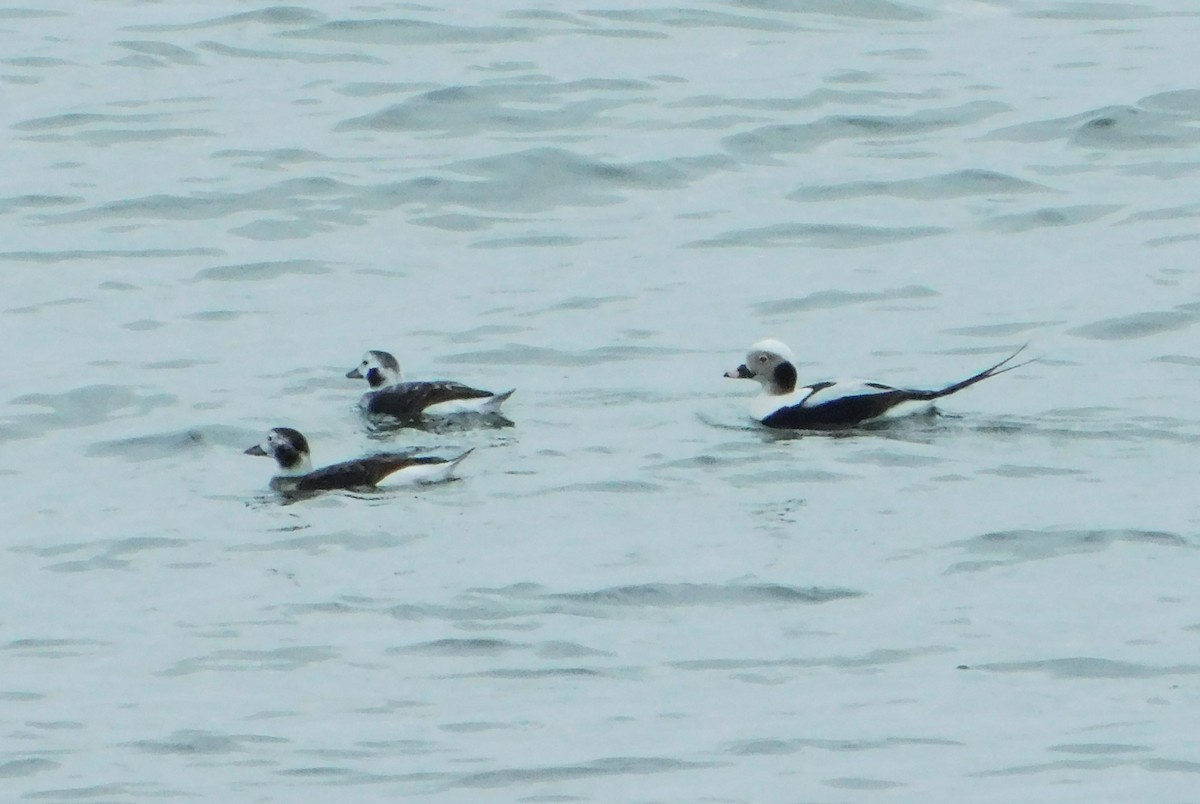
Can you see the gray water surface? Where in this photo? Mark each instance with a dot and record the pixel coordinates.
(208, 213)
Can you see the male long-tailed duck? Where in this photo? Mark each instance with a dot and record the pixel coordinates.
(290, 450)
(832, 403)
(391, 396)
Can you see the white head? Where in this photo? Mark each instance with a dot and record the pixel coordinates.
(289, 449)
(770, 363)
(379, 369)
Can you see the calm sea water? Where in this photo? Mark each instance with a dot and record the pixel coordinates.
(209, 211)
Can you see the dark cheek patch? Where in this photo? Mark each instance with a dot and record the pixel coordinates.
(785, 377)
(287, 456)
(374, 378)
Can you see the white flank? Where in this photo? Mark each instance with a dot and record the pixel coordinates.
(482, 405)
(424, 473)
(909, 408)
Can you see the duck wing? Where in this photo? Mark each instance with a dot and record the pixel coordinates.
(833, 404)
(407, 400)
(360, 472)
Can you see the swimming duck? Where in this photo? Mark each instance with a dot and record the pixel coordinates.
(290, 450)
(833, 403)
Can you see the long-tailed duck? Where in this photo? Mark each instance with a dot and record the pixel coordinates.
(391, 396)
(833, 403)
(289, 448)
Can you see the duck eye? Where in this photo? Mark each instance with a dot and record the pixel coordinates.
(762, 358)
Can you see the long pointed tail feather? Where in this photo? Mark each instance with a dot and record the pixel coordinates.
(446, 470)
(493, 403)
(454, 462)
(1000, 368)
(427, 470)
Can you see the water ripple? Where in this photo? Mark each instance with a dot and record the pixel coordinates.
(25, 767)
(82, 407)
(773, 747)
(515, 354)
(612, 766)
(529, 181)
(882, 656)
(959, 184)
(768, 141)
(1050, 216)
(821, 235)
(272, 15)
(408, 32)
(1167, 120)
(1091, 667)
(195, 742)
(1137, 325)
(461, 111)
(885, 10)
(831, 299)
(279, 659)
(687, 594)
(1011, 547)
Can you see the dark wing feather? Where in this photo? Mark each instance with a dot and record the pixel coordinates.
(407, 400)
(359, 473)
(843, 411)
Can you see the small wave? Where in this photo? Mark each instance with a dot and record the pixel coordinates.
(772, 140)
(170, 444)
(615, 766)
(958, 184)
(821, 235)
(688, 594)
(1136, 325)
(1050, 216)
(1004, 548)
(1092, 667)
(830, 299)
(83, 407)
(279, 659)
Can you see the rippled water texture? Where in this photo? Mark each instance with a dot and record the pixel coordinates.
(209, 212)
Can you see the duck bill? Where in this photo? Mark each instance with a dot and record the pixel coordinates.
(354, 374)
(256, 450)
(739, 373)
